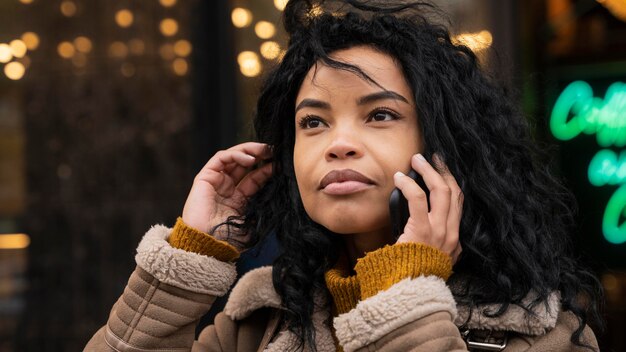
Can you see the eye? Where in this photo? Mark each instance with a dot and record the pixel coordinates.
(383, 115)
(309, 121)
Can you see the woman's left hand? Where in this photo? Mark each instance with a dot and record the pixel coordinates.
(438, 228)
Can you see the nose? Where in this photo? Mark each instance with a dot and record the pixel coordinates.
(344, 144)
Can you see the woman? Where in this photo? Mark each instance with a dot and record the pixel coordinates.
(364, 94)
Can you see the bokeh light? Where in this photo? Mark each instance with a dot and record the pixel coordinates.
(180, 66)
(168, 27)
(68, 8)
(66, 50)
(18, 48)
(167, 3)
(270, 50)
(264, 29)
(182, 48)
(127, 69)
(241, 17)
(136, 46)
(167, 52)
(31, 39)
(118, 50)
(249, 63)
(83, 44)
(280, 4)
(14, 70)
(26, 2)
(124, 18)
(6, 54)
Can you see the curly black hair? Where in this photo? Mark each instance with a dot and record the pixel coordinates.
(517, 217)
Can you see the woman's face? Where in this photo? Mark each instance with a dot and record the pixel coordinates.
(351, 137)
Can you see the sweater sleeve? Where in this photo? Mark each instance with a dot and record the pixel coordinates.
(405, 303)
(192, 240)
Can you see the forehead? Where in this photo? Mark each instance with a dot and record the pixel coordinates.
(380, 67)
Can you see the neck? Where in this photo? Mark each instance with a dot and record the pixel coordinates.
(358, 244)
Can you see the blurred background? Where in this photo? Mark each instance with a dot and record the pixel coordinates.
(108, 108)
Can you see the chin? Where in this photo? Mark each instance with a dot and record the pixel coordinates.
(350, 223)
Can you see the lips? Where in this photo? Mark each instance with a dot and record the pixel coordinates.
(345, 175)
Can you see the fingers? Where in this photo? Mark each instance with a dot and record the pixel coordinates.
(439, 199)
(245, 154)
(255, 180)
(418, 227)
(455, 210)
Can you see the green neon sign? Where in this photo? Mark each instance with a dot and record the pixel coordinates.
(606, 118)
(577, 111)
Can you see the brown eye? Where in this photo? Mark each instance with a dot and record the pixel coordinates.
(310, 122)
(382, 115)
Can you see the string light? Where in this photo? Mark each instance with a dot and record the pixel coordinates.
(280, 4)
(182, 48)
(6, 54)
(14, 240)
(31, 40)
(264, 29)
(167, 3)
(249, 63)
(136, 46)
(14, 70)
(270, 50)
(169, 27)
(66, 50)
(118, 50)
(68, 8)
(167, 51)
(475, 41)
(180, 66)
(83, 44)
(124, 18)
(241, 17)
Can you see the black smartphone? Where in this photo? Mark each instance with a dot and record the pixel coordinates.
(399, 206)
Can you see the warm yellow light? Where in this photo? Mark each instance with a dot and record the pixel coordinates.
(124, 18)
(18, 48)
(167, 3)
(136, 46)
(280, 4)
(68, 8)
(83, 44)
(14, 70)
(26, 2)
(118, 50)
(167, 51)
(270, 50)
(127, 69)
(241, 17)
(616, 7)
(14, 241)
(31, 40)
(264, 29)
(169, 27)
(182, 48)
(249, 63)
(180, 66)
(475, 41)
(6, 53)
(66, 50)
(315, 11)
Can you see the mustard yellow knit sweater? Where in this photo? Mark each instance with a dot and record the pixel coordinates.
(375, 272)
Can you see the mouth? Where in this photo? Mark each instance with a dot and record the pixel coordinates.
(346, 181)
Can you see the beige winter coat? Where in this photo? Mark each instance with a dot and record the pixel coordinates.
(171, 289)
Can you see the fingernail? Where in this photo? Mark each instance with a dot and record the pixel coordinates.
(420, 157)
(398, 174)
(251, 157)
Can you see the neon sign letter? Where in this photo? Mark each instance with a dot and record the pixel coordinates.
(607, 120)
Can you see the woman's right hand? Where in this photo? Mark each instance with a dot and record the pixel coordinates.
(223, 186)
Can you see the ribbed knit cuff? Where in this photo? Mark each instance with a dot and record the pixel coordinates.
(382, 268)
(192, 240)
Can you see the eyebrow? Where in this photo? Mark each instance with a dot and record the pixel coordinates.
(387, 94)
